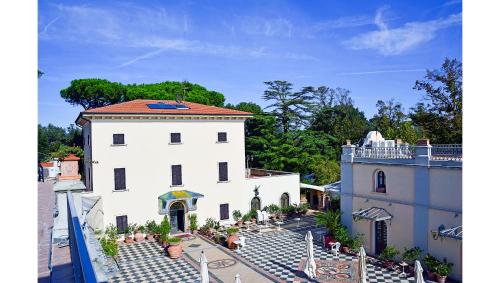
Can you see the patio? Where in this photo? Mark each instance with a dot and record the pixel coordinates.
(273, 256)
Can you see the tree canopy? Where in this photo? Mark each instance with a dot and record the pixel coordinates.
(52, 138)
(92, 93)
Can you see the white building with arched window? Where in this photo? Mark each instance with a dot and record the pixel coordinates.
(404, 196)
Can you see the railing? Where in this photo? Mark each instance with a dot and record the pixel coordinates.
(446, 152)
(83, 270)
(400, 152)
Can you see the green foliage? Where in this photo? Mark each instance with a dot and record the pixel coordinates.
(410, 255)
(109, 247)
(441, 117)
(330, 219)
(289, 210)
(92, 93)
(246, 217)
(355, 243)
(247, 107)
(326, 171)
(342, 235)
(193, 221)
(174, 240)
(211, 223)
(443, 268)
(232, 230)
(389, 253)
(430, 262)
(165, 228)
(152, 227)
(335, 203)
(273, 208)
(111, 232)
(51, 138)
(141, 228)
(65, 150)
(253, 214)
(236, 215)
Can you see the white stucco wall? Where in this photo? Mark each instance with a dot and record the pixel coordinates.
(147, 158)
(445, 188)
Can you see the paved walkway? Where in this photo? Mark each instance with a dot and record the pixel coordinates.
(61, 260)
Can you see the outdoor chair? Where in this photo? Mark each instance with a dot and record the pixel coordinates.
(335, 248)
(242, 241)
(260, 217)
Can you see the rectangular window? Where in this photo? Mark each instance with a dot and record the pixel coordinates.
(118, 139)
(176, 175)
(88, 139)
(221, 137)
(121, 223)
(224, 211)
(223, 172)
(175, 137)
(120, 179)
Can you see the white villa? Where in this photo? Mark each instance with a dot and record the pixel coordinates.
(147, 158)
(404, 196)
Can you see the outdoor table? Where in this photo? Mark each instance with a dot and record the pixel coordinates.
(247, 223)
(403, 264)
(298, 221)
(279, 224)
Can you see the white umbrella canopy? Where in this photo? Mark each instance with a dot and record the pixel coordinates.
(237, 278)
(419, 272)
(203, 268)
(362, 265)
(310, 266)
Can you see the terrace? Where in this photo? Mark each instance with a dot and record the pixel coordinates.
(259, 173)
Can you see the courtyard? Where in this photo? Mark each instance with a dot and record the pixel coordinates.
(270, 255)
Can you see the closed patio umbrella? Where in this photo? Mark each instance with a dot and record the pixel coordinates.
(310, 266)
(419, 272)
(203, 268)
(237, 278)
(362, 265)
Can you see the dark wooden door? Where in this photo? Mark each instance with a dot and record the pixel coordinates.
(180, 220)
(380, 236)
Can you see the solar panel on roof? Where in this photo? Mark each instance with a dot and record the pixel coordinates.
(161, 105)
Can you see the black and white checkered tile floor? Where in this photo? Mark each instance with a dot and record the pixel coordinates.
(280, 253)
(146, 262)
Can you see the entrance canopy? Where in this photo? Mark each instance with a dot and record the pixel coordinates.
(372, 214)
(454, 233)
(190, 198)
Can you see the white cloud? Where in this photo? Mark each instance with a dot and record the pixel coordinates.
(344, 22)
(395, 41)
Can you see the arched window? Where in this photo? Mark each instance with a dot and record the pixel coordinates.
(285, 200)
(380, 182)
(255, 203)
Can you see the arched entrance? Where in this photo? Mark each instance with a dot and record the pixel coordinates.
(255, 204)
(177, 217)
(284, 200)
(380, 236)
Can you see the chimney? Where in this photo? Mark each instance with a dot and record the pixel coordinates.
(423, 142)
(348, 142)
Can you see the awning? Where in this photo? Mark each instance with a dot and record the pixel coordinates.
(372, 213)
(454, 233)
(189, 197)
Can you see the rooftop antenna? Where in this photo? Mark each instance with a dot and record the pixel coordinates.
(180, 96)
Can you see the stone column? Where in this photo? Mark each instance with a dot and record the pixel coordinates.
(421, 208)
(346, 176)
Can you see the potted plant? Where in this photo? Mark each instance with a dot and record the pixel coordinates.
(303, 208)
(355, 243)
(410, 255)
(431, 263)
(331, 220)
(151, 229)
(342, 235)
(139, 233)
(128, 233)
(388, 255)
(210, 223)
(237, 217)
(273, 210)
(232, 231)
(174, 247)
(193, 223)
(246, 217)
(443, 269)
(164, 231)
(253, 215)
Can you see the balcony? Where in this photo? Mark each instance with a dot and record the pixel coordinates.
(437, 152)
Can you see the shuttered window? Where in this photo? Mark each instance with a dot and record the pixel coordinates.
(176, 175)
(222, 137)
(175, 137)
(224, 211)
(121, 223)
(118, 139)
(223, 172)
(120, 179)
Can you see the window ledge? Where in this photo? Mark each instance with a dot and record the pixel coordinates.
(174, 186)
(221, 142)
(119, 191)
(223, 181)
(121, 144)
(174, 143)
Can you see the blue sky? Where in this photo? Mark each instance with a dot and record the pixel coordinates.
(376, 49)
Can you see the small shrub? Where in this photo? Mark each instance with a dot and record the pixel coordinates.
(152, 227)
(410, 255)
(141, 228)
(165, 229)
(443, 268)
(232, 230)
(302, 208)
(246, 217)
(273, 209)
(389, 253)
(109, 247)
(342, 235)
(210, 222)
(193, 221)
(111, 232)
(430, 262)
(174, 240)
(236, 215)
(253, 214)
(355, 243)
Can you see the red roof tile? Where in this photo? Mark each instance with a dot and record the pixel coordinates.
(139, 106)
(47, 164)
(71, 157)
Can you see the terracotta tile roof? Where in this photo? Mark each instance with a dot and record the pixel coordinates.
(140, 106)
(71, 157)
(47, 164)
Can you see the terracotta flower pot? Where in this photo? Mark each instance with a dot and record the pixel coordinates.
(129, 239)
(230, 241)
(431, 275)
(138, 237)
(254, 220)
(174, 251)
(239, 223)
(150, 237)
(389, 264)
(441, 279)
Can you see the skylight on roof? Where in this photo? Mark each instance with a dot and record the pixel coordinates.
(162, 105)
